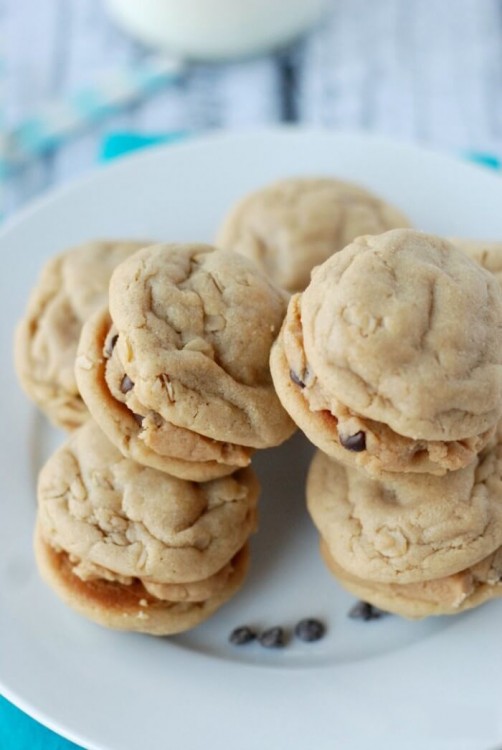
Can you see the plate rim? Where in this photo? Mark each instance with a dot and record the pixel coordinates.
(123, 165)
(201, 141)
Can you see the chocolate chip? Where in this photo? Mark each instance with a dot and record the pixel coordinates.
(356, 443)
(110, 345)
(126, 384)
(294, 377)
(241, 636)
(309, 630)
(138, 419)
(365, 611)
(272, 638)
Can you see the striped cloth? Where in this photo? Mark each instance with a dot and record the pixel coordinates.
(56, 123)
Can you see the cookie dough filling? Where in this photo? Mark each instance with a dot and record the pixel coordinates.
(189, 591)
(448, 595)
(391, 359)
(161, 436)
(71, 287)
(129, 605)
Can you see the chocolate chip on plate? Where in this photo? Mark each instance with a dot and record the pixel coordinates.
(309, 630)
(296, 379)
(242, 635)
(356, 443)
(110, 345)
(126, 384)
(138, 418)
(366, 611)
(272, 638)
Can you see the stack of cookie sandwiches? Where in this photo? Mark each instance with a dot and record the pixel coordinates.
(144, 514)
(391, 363)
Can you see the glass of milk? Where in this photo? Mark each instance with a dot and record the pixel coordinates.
(215, 29)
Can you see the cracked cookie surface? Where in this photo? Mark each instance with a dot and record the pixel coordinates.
(118, 520)
(291, 226)
(71, 287)
(408, 527)
(397, 340)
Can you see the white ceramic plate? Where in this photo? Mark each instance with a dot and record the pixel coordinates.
(384, 684)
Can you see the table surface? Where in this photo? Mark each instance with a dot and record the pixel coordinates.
(417, 70)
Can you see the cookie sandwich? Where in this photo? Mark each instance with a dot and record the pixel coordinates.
(176, 371)
(133, 548)
(391, 360)
(407, 528)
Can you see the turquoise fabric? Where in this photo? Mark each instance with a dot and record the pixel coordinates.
(118, 144)
(17, 730)
(484, 159)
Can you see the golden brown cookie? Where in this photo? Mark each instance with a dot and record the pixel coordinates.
(120, 520)
(291, 226)
(129, 606)
(180, 380)
(440, 596)
(391, 360)
(407, 527)
(71, 287)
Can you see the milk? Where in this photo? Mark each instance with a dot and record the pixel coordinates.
(215, 29)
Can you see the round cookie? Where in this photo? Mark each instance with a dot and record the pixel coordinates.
(407, 528)
(129, 606)
(121, 521)
(391, 360)
(291, 226)
(180, 380)
(71, 287)
(449, 595)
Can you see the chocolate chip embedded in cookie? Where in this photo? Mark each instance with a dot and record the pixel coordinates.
(111, 528)
(186, 385)
(147, 438)
(407, 527)
(71, 287)
(397, 343)
(448, 595)
(291, 226)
